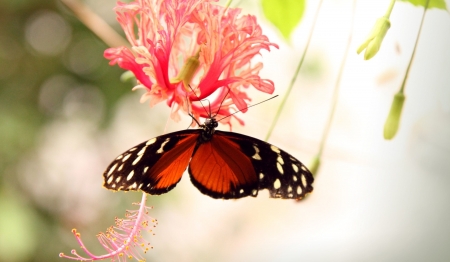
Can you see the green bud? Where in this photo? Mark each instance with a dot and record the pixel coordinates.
(127, 76)
(393, 120)
(314, 165)
(373, 42)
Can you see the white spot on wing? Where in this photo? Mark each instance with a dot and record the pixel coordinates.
(280, 168)
(241, 191)
(131, 150)
(304, 168)
(125, 158)
(142, 151)
(160, 150)
(277, 184)
(145, 170)
(120, 167)
(294, 177)
(254, 192)
(119, 157)
(289, 189)
(137, 160)
(134, 185)
(261, 176)
(256, 155)
(151, 141)
(295, 167)
(118, 179)
(275, 149)
(299, 190)
(303, 180)
(280, 160)
(130, 175)
(112, 169)
(110, 179)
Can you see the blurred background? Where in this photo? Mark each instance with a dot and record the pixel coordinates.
(65, 114)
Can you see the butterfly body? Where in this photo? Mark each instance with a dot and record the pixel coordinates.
(220, 164)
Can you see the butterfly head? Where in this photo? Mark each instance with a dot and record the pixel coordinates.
(208, 129)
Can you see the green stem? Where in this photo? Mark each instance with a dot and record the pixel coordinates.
(337, 85)
(402, 88)
(228, 3)
(389, 11)
(288, 91)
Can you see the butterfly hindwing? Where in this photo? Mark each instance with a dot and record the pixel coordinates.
(279, 172)
(154, 166)
(220, 169)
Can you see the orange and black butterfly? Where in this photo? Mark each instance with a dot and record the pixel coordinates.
(221, 165)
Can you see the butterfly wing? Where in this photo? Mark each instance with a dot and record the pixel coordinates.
(154, 166)
(232, 165)
(220, 169)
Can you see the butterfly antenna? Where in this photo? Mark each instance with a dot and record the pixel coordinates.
(209, 112)
(247, 107)
(225, 97)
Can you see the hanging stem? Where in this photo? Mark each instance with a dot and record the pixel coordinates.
(294, 78)
(96, 24)
(337, 86)
(402, 88)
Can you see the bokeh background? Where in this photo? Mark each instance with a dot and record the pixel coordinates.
(65, 114)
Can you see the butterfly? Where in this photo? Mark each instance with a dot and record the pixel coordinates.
(221, 164)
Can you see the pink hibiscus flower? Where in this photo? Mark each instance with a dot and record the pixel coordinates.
(183, 51)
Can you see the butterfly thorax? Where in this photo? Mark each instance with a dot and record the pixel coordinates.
(208, 129)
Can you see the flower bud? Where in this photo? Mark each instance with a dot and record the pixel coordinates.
(373, 42)
(393, 120)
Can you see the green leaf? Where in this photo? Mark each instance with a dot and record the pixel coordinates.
(439, 4)
(284, 14)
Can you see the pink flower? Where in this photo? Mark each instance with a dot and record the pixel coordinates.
(183, 45)
(122, 241)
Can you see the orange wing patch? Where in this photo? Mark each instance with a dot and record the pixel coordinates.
(219, 167)
(170, 167)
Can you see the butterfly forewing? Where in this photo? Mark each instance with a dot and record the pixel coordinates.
(279, 172)
(154, 166)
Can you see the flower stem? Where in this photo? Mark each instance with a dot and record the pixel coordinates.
(337, 85)
(294, 78)
(402, 88)
(389, 11)
(96, 24)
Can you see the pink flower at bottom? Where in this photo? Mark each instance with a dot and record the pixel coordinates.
(122, 241)
(184, 51)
